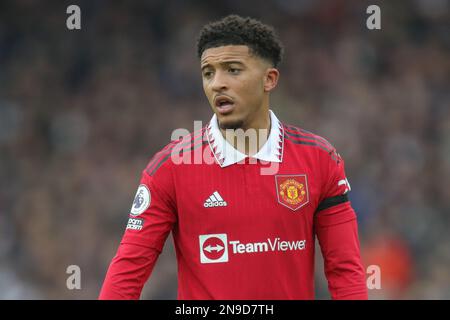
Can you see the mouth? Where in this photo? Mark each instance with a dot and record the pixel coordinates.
(224, 104)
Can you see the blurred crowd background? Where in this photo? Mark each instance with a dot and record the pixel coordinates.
(82, 112)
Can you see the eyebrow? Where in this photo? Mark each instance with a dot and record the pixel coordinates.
(224, 63)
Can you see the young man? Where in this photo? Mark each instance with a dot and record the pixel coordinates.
(243, 224)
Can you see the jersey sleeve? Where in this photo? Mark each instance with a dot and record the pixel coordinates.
(334, 206)
(153, 212)
(337, 231)
(152, 216)
(128, 272)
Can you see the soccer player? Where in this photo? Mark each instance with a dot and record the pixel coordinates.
(244, 220)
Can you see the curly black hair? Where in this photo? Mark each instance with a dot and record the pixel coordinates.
(236, 30)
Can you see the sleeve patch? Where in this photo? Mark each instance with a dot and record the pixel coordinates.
(141, 201)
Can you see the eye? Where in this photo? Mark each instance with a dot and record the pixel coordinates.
(207, 74)
(234, 70)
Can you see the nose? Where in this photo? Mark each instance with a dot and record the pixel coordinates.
(218, 83)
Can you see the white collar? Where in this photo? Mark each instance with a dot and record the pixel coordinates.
(226, 155)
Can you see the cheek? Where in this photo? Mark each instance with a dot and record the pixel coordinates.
(250, 87)
(254, 90)
(207, 91)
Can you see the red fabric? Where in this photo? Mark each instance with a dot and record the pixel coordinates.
(337, 233)
(128, 272)
(264, 248)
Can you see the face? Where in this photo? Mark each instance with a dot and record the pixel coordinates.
(237, 84)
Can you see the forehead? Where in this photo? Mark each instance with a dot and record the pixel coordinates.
(226, 53)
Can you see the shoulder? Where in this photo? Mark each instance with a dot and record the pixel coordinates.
(164, 157)
(307, 141)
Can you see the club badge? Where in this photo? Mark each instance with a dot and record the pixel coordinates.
(292, 190)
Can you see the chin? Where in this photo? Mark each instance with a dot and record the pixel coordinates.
(225, 124)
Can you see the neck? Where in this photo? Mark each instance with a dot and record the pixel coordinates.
(250, 138)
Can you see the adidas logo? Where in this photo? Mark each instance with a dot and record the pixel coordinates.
(215, 200)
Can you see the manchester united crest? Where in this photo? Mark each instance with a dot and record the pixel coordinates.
(292, 190)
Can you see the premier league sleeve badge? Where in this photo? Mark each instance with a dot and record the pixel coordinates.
(141, 200)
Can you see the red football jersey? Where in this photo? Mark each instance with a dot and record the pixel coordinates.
(243, 227)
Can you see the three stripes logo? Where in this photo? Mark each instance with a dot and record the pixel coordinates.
(215, 200)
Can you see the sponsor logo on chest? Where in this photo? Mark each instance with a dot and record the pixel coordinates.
(215, 248)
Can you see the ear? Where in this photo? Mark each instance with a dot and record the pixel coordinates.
(271, 79)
